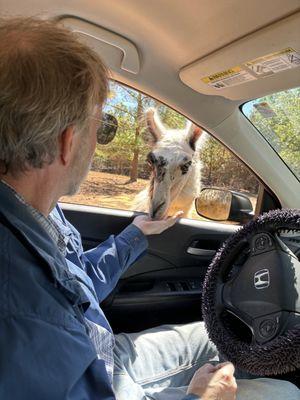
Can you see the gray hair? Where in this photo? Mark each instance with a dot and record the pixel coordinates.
(48, 81)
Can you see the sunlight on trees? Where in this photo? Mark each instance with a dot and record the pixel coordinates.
(126, 154)
(282, 128)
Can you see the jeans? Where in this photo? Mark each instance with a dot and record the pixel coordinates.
(159, 363)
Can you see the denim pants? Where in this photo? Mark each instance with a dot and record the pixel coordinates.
(159, 363)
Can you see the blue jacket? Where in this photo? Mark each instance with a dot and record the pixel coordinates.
(45, 352)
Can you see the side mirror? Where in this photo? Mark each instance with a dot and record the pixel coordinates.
(108, 129)
(224, 205)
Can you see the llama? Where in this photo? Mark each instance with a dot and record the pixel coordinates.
(175, 169)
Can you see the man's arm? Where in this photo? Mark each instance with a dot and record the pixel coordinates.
(106, 263)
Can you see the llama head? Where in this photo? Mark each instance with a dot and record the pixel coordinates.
(172, 161)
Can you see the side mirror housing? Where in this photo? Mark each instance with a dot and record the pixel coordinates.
(108, 129)
(224, 205)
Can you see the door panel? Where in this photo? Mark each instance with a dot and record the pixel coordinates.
(165, 285)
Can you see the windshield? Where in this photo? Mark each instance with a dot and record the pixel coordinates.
(277, 117)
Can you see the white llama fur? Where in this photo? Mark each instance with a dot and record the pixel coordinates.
(178, 181)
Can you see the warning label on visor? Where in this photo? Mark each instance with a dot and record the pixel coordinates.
(231, 77)
(275, 62)
(254, 69)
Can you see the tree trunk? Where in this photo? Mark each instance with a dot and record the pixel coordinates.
(135, 160)
(134, 165)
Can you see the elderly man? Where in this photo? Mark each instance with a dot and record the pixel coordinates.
(55, 342)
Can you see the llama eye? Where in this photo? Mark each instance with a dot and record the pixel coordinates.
(185, 167)
(151, 158)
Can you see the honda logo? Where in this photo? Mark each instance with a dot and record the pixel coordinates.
(262, 279)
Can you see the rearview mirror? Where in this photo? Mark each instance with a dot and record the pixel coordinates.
(224, 205)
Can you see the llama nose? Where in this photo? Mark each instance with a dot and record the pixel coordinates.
(156, 209)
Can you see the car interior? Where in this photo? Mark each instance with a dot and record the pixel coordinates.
(195, 57)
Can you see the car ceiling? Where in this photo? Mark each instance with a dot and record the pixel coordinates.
(171, 35)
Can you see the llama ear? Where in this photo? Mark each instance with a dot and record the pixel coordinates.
(155, 128)
(193, 135)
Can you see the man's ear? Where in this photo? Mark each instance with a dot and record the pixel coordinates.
(155, 128)
(66, 144)
(194, 133)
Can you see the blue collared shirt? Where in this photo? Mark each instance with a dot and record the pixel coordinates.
(45, 349)
(94, 261)
(68, 241)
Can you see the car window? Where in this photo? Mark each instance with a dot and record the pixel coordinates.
(120, 171)
(277, 117)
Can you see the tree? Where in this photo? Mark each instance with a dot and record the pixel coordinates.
(127, 152)
(125, 104)
(221, 168)
(282, 127)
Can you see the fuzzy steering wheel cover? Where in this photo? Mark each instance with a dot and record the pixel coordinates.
(278, 356)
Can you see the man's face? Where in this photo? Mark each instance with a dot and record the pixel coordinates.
(83, 154)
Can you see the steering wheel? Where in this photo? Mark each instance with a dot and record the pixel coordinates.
(250, 302)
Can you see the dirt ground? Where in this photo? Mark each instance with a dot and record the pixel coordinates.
(109, 190)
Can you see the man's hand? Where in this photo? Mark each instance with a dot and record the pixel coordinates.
(152, 227)
(214, 382)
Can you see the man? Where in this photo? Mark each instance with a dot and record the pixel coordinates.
(55, 340)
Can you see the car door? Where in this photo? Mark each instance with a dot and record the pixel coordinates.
(165, 285)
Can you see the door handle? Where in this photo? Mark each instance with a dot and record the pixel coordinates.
(200, 252)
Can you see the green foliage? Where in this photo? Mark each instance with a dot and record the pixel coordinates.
(223, 169)
(171, 118)
(282, 130)
(129, 106)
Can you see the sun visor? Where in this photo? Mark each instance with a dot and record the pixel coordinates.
(263, 62)
(118, 52)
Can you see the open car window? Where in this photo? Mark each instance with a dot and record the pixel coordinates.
(120, 170)
(277, 118)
